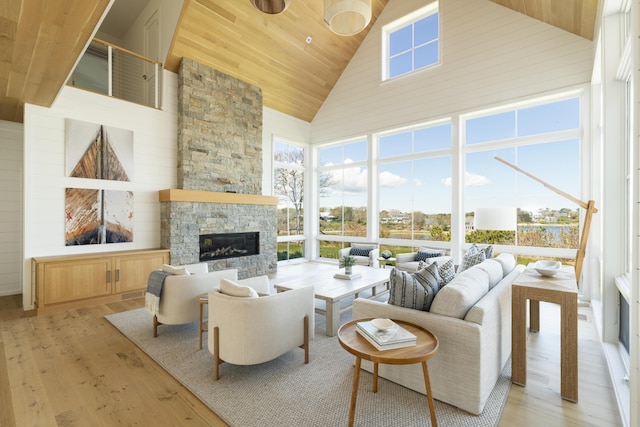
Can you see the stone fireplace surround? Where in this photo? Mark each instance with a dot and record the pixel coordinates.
(219, 171)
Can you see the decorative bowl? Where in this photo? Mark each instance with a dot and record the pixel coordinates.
(382, 324)
(386, 254)
(547, 268)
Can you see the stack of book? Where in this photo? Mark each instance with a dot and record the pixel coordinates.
(394, 337)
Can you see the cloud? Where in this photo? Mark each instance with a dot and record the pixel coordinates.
(388, 179)
(352, 180)
(470, 180)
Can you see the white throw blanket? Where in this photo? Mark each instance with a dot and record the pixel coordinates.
(154, 290)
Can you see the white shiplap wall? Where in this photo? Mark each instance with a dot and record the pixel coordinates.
(155, 160)
(10, 208)
(490, 55)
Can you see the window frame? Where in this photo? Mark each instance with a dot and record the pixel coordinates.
(291, 238)
(405, 21)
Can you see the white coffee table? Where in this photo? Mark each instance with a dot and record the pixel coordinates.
(332, 290)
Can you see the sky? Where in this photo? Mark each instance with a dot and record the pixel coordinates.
(424, 183)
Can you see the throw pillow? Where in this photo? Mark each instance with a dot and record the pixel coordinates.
(414, 290)
(472, 257)
(422, 255)
(176, 271)
(231, 288)
(360, 251)
(447, 272)
(488, 251)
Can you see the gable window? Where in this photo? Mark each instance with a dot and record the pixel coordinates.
(411, 43)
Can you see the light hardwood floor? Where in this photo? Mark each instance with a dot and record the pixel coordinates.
(74, 369)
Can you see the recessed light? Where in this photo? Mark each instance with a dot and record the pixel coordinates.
(308, 39)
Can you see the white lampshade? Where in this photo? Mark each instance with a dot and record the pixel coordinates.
(271, 7)
(496, 219)
(347, 17)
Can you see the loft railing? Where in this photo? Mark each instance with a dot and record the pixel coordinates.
(114, 71)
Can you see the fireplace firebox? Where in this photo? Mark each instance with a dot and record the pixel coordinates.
(228, 245)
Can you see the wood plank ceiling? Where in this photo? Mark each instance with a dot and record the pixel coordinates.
(40, 41)
(268, 51)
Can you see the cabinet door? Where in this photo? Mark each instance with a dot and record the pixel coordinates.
(68, 281)
(132, 271)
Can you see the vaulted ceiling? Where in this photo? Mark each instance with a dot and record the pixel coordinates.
(40, 41)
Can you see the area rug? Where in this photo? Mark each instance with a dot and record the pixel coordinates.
(285, 391)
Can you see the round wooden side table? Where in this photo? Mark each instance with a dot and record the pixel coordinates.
(202, 327)
(425, 348)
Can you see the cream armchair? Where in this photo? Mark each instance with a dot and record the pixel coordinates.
(358, 250)
(178, 303)
(411, 261)
(253, 330)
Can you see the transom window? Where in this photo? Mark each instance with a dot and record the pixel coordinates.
(411, 43)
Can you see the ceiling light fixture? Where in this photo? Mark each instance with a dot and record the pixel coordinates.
(347, 17)
(271, 7)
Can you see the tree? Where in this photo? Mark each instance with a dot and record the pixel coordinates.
(289, 182)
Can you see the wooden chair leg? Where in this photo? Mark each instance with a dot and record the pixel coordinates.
(216, 353)
(155, 326)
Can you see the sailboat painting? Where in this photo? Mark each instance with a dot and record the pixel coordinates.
(98, 151)
(95, 217)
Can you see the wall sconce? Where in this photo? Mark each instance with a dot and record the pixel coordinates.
(271, 7)
(347, 17)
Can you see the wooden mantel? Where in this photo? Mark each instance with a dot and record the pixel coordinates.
(177, 195)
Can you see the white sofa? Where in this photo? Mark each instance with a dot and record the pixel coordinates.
(473, 329)
(178, 303)
(252, 329)
(408, 261)
(371, 260)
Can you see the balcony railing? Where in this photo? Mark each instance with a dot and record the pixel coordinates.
(118, 72)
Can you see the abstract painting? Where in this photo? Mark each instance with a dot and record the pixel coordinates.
(98, 151)
(95, 217)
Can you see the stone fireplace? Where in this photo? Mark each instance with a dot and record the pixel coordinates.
(219, 172)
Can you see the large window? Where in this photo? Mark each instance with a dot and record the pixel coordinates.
(288, 186)
(542, 140)
(343, 185)
(414, 184)
(411, 43)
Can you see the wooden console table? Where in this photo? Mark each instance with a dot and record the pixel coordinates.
(559, 289)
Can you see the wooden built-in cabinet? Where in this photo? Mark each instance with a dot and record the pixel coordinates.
(63, 282)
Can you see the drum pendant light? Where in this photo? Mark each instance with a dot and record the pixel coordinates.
(347, 17)
(271, 7)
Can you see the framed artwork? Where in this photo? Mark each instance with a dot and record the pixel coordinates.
(95, 217)
(97, 151)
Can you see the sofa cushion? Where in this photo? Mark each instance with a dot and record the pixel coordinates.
(414, 290)
(472, 257)
(234, 289)
(493, 269)
(176, 271)
(360, 251)
(424, 253)
(456, 298)
(447, 272)
(507, 261)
